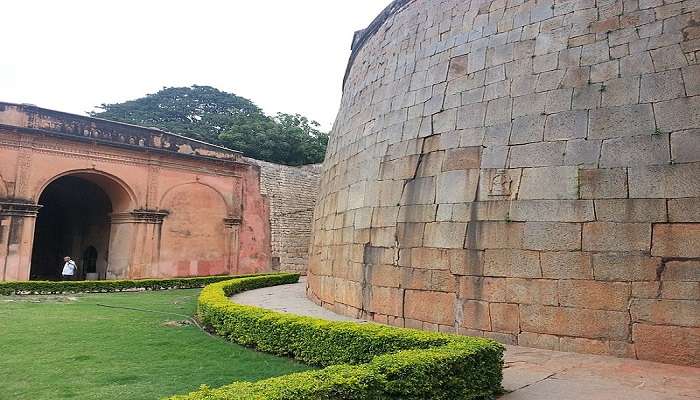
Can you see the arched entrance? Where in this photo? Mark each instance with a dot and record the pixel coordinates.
(75, 221)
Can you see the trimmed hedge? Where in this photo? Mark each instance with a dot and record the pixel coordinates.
(361, 360)
(55, 287)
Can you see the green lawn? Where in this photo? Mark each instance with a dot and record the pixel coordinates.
(68, 347)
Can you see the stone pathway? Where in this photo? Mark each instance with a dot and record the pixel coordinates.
(534, 374)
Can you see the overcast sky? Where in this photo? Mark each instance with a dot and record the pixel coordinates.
(284, 55)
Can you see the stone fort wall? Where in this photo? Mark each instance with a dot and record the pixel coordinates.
(523, 170)
(292, 192)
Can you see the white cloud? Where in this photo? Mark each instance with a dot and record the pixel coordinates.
(285, 55)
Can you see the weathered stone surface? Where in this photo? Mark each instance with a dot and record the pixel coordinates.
(566, 265)
(611, 236)
(635, 150)
(552, 210)
(549, 151)
(537, 154)
(669, 344)
(685, 146)
(630, 210)
(445, 235)
(504, 317)
(666, 312)
(386, 300)
(578, 322)
(435, 307)
(457, 186)
(632, 120)
(669, 181)
(682, 271)
(678, 114)
(612, 296)
(676, 240)
(625, 267)
(512, 263)
(606, 183)
(549, 183)
(551, 236)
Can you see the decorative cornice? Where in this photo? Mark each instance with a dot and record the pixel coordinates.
(18, 208)
(230, 222)
(140, 217)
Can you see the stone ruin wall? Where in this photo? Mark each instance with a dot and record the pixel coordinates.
(292, 192)
(524, 170)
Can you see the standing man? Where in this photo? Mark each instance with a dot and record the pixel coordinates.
(69, 269)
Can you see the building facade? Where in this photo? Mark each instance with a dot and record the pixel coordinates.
(124, 201)
(523, 170)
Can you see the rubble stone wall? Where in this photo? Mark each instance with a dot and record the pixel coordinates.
(292, 192)
(523, 170)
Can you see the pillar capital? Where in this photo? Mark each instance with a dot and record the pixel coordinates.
(18, 208)
(141, 216)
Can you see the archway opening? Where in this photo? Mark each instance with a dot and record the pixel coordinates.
(73, 221)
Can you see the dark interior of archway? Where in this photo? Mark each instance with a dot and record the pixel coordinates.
(74, 221)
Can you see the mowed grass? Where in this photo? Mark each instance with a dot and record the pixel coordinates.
(69, 347)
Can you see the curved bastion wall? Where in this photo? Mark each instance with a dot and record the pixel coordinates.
(523, 170)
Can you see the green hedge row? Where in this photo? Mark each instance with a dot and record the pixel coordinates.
(361, 360)
(54, 287)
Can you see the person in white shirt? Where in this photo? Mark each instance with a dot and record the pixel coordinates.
(69, 269)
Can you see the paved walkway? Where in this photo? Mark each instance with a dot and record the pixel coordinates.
(533, 374)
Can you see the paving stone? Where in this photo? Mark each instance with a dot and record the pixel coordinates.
(688, 271)
(661, 86)
(540, 154)
(576, 77)
(444, 121)
(531, 104)
(611, 236)
(498, 111)
(497, 134)
(549, 183)
(676, 240)
(550, 236)
(605, 71)
(631, 210)
(632, 120)
(595, 53)
(566, 125)
(623, 266)
(558, 100)
(566, 265)
(587, 97)
(635, 150)
(691, 79)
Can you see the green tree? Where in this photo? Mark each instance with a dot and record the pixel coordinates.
(208, 114)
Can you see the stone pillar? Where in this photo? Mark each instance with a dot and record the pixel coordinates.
(16, 239)
(134, 244)
(233, 225)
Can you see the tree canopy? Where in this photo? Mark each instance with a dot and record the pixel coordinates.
(208, 114)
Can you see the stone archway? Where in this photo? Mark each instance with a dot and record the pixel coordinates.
(74, 218)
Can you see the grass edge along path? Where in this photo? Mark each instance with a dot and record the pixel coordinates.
(68, 347)
(362, 361)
